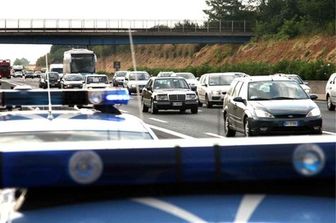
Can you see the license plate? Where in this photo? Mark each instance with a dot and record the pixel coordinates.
(177, 103)
(291, 123)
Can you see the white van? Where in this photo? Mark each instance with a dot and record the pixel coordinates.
(57, 68)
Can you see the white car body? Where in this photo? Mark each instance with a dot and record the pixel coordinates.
(131, 84)
(96, 84)
(331, 92)
(210, 93)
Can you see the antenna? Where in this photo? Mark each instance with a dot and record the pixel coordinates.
(50, 116)
(135, 69)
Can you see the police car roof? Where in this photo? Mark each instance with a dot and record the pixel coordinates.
(31, 121)
(265, 78)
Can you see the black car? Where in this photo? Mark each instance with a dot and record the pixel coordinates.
(29, 75)
(54, 80)
(268, 105)
(168, 93)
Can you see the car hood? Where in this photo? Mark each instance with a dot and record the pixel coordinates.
(173, 91)
(192, 208)
(73, 82)
(278, 107)
(223, 88)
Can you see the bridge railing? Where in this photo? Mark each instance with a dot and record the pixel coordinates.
(96, 25)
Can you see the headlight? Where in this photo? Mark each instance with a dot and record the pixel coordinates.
(263, 114)
(133, 86)
(162, 97)
(191, 97)
(314, 112)
(307, 90)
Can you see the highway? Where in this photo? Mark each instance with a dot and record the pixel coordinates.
(207, 123)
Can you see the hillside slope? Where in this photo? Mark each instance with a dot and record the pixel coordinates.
(180, 56)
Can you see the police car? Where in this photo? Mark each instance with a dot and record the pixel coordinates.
(92, 116)
(272, 179)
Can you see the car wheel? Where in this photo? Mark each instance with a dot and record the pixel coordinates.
(228, 131)
(330, 105)
(207, 102)
(200, 104)
(247, 131)
(182, 110)
(154, 110)
(144, 107)
(194, 110)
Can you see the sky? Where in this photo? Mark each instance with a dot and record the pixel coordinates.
(97, 9)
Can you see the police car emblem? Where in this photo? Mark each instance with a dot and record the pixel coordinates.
(85, 167)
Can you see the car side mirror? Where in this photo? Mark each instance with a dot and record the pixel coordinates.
(239, 99)
(149, 88)
(205, 85)
(126, 79)
(313, 96)
(306, 82)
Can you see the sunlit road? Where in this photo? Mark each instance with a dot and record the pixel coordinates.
(207, 123)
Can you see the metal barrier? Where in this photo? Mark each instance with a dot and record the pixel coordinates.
(96, 25)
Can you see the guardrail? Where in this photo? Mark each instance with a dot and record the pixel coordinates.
(95, 25)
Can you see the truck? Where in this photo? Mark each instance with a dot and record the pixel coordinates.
(5, 68)
(82, 61)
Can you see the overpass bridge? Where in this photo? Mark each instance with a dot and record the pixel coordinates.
(116, 32)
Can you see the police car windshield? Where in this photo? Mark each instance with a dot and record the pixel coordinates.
(72, 136)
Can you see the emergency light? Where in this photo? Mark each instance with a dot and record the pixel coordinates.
(59, 164)
(38, 97)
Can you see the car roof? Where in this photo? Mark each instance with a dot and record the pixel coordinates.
(265, 78)
(84, 119)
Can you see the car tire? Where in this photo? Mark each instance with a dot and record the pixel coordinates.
(200, 104)
(247, 131)
(330, 105)
(207, 102)
(182, 110)
(154, 110)
(144, 107)
(227, 130)
(194, 110)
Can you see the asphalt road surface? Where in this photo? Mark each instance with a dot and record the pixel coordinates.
(207, 123)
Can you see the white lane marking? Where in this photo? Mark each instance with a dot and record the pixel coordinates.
(158, 120)
(330, 133)
(247, 207)
(123, 111)
(180, 135)
(214, 135)
(170, 208)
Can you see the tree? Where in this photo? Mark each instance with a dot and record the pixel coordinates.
(22, 61)
(228, 10)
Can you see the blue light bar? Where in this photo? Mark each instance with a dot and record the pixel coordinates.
(64, 97)
(158, 162)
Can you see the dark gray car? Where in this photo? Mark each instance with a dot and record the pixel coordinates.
(268, 105)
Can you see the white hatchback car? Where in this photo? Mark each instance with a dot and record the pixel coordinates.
(212, 87)
(331, 92)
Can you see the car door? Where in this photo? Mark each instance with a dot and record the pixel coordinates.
(202, 88)
(147, 92)
(233, 106)
(332, 89)
(240, 107)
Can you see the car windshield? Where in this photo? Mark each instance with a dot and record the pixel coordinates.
(72, 136)
(274, 90)
(138, 76)
(58, 70)
(96, 79)
(185, 75)
(217, 80)
(170, 83)
(73, 78)
(53, 76)
(120, 74)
